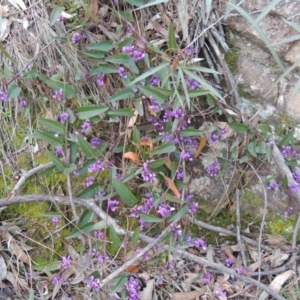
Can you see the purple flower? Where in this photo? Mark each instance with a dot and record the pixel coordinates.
(95, 142)
(294, 188)
(128, 49)
(94, 283)
(220, 293)
(193, 207)
(179, 113)
(213, 169)
(198, 242)
(176, 231)
(137, 54)
(76, 37)
(102, 258)
(98, 166)
(154, 105)
(112, 204)
(223, 132)
(145, 256)
(154, 80)
(56, 279)
(99, 235)
(122, 72)
(119, 176)
(56, 220)
(206, 277)
(165, 210)
(273, 186)
(192, 84)
(288, 212)
(180, 175)
(100, 79)
(66, 262)
(214, 138)
(184, 155)
(59, 151)
(147, 175)
(85, 126)
(240, 270)
(58, 95)
(286, 150)
(190, 50)
(3, 96)
(296, 176)
(228, 262)
(23, 103)
(133, 288)
(89, 181)
(63, 117)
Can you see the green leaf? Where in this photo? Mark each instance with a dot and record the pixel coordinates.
(31, 74)
(197, 93)
(126, 42)
(287, 139)
(136, 136)
(292, 24)
(86, 217)
(200, 69)
(94, 54)
(135, 236)
(124, 192)
(87, 149)
(73, 153)
(285, 182)
(124, 94)
(70, 169)
(53, 125)
(51, 215)
(238, 127)
(6, 53)
(176, 216)
(251, 148)
(13, 91)
(172, 38)
(158, 163)
(135, 2)
(186, 93)
(60, 165)
(191, 132)
(150, 91)
(68, 90)
(164, 148)
(125, 112)
(87, 112)
(48, 137)
(49, 171)
(86, 228)
(150, 219)
(105, 69)
(114, 238)
(265, 11)
(291, 163)
(264, 128)
(121, 280)
(150, 72)
(55, 14)
(121, 59)
(90, 191)
(172, 199)
(102, 46)
(47, 267)
(155, 2)
(211, 101)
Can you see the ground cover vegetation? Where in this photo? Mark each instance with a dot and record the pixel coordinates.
(101, 107)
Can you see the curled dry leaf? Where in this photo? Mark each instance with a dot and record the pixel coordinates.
(277, 283)
(131, 155)
(183, 17)
(16, 250)
(172, 186)
(147, 292)
(188, 295)
(92, 10)
(202, 144)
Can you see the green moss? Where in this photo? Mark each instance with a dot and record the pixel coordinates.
(231, 59)
(285, 122)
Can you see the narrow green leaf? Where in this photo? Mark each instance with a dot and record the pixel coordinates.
(287, 139)
(94, 54)
(292, 24)
(51, 215)
(125, 112)
(114, 238)
(86, 217)
(55, 14)
(105, 69)
(126, 42)
(73, 153)
(119, 285)
(197, 93)
(53, 125)
(48, 171)
(48, 137)
(185, 89)
(47, 267)
(172, 38)
(264, 128)
(69, 169)
(124, 94)
(135, 236)
(251, 149)
(121, 59)
(200, 69)
(60, 165)
(85, 229)
(191, 132)
(90, 191)
(86, 147)
(291, 163)
(150, 72)
(265, 11)
(285, 182)
(31, 74)
(238, 127)
(164, 148)
(211, 101)
(176, 216)
(172, 199)
(135, 2)
(155, 2)
(136, 136)
(124, 192)
(102, 46)
(158, 163)
(228, 8)
(150, 219)
(13, 91)
(87, 112)
(150, 91)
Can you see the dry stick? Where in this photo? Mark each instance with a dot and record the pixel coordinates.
(238, 228)
(285, 171)
(91, 204)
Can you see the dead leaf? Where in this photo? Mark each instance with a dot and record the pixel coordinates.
(131, 123)
(278, 257)
(18, 4)
(147, 292)
(172, 186)
(92, 10)
(4, 30)
(16, 250)
(131, 155)
(3, 10)
(148, 142)
(3, 268)
(202, 144)
(183, 18)
(277, 283)
(169, 164)
(132, 269)
(187, 295)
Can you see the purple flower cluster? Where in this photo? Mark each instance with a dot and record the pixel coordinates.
(112, 204)
(99, 235)
(100, 79)
(228, 262)
(213, 169)
(63, 117)
(101, 258)
(96, 167)
(294, 188)
(65, 262)
(154, 105)
(93, 283)
(180, 174)
(145, 256)
(220, 293)
(154, 80)
(213, 138)
(147, 174)
(85, 126)
(133, 288)
(193, 205)
(206, 277)
(296, 176)
(76, 37)
(289, 152)
(165, 210)
(55, 221)
(273, 186)
(184, 155)
(23, 103)
(89, 181)
(196, 242)
(59, 151)
(3, 96)
(190, 50)
(176, 231)
(192, 84)
(136, 54)
(289, 212)
(95, 142)
(58, 95)
(122, 72)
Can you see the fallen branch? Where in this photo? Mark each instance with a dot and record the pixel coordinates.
(91, 204)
